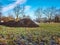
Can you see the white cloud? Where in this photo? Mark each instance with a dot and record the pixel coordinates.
(27, 8)
(11, 6)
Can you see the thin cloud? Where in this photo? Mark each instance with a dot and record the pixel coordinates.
(11, 6)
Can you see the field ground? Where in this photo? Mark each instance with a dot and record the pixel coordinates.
(45, 34)
(43, 27)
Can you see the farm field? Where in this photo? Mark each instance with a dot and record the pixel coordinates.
(44, 34)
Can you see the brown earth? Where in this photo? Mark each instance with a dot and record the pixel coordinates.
(21, 23)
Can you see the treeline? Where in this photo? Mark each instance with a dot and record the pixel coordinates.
(50, 14)
(18, 12)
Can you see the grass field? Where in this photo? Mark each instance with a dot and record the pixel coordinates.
(52, 27)
(43, 32)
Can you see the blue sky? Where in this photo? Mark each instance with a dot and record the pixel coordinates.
(30, 5)
(36, 3)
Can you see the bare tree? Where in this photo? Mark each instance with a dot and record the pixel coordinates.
(57, 18)
(38, 13)
(17, 11)
(50, 13)
(22, 11)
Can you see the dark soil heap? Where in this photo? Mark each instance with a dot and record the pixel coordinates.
(21, 23)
